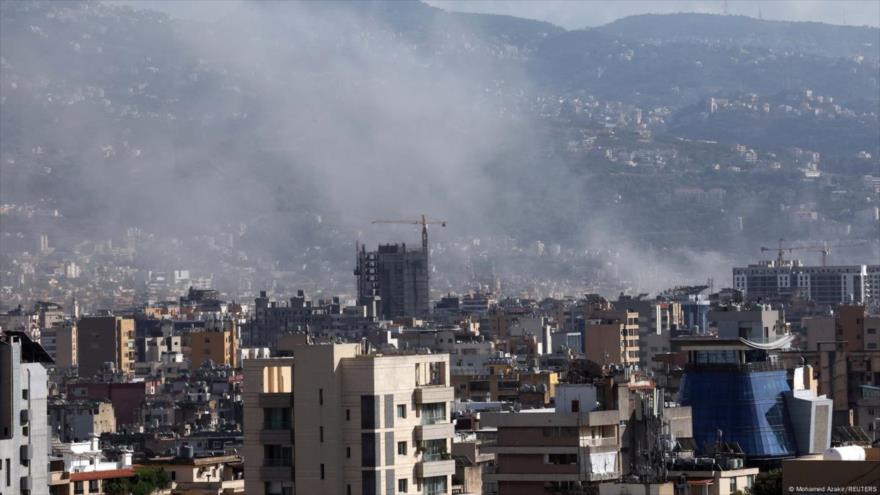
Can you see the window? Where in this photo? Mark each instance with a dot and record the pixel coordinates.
(433, 450)
(368, 412)
(320, 396)
(276, 418)
(322, 471)
(368, 480)
(348, 452)
(401, 448)
(401, 410)
(575, 406)
(93, 486)
(732, 484)
(78, 487)
(321, 434)
(173, 475)
(24, 394)
(368, 450)
(433, 413)
(560, 431)
(277, 456)
(347, 489)
(561, 459)
(402, 485)
(348, 414)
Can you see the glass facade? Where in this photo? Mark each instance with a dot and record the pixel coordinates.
(747, 408)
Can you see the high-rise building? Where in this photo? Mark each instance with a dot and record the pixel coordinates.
(398, 277)
(340, 422)
(105, 339)
(826, 285)
(872, 284)
(612, 337)
(217, 343)
(60, 341)
(24, 432)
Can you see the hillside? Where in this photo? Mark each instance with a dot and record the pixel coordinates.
(813, 38)
(284, 112)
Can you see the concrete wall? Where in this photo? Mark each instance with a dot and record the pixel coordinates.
(16, 377)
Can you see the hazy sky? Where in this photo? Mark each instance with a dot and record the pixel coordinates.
(573, 14)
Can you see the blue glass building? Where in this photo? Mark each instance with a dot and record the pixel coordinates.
(737, 394)
(746, 407)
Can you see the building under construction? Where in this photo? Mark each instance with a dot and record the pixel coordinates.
(393, 280)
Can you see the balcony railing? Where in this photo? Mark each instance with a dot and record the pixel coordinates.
(277, 462)
(598, 442)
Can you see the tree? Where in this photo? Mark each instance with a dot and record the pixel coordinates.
(768, 483)
(145, 481)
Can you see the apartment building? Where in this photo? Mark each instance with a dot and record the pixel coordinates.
(59, 341)
(612, 337)
(218, 344)
(826, 285)
(576, 443)
(24, 434)
(333, 420)
(105, 339)
(758, 323)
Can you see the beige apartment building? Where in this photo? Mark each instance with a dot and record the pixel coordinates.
(105, 339)
(59, 340)
(219, 344)
(612, 337)
(333, 420)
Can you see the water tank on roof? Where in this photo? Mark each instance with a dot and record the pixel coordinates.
(846, 453)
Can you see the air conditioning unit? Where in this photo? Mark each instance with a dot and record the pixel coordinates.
(24, 416)
(25, 483)
(25, 452)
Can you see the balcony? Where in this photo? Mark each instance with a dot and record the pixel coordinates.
(602, 476)
(279, 436)
(532, 477)
(277, 469)
(283, 399)
(226, 486)
(437, 431)
(427, 395)
(432, 468)
(599, 442)
(276, 473)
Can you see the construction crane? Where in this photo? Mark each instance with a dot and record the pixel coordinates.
(424, 222)
(824, 248)
(780, 256)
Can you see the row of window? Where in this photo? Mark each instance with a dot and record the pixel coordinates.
(78, 487)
